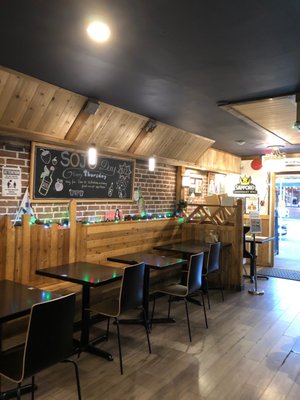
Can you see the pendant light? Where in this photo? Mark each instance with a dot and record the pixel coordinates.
(151, 164)
(92, 156)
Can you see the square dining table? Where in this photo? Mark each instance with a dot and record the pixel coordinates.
(88, 275)
(152, 261)
(186, 247)
(16, 302)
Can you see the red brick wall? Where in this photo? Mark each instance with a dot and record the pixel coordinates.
(158, 189)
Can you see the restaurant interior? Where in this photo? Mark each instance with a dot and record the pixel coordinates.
(150, 163)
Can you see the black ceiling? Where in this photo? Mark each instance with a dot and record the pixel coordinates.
(170, 60)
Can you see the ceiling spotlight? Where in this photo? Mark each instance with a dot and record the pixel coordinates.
(240, 142)
(98, 31)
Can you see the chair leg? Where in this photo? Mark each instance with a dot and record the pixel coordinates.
(207, 292)
(32, 387)
(19, 391)
(204, 309)
(107, 328)
(76, 375)
(152, 314)
(146, 324)
(119, 343)
(188, 319)
(169, 308)
(221, 285)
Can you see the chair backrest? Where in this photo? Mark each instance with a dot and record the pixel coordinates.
(49, 337)
(213, 262)
(194, 278)
(132, 287)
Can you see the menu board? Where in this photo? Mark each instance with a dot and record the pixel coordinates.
(60, 174)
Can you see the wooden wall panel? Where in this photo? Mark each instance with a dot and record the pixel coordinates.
(109, 239)
(173, 143)
(220, 161)
(264, 251)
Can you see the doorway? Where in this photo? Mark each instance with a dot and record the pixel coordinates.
(287, 221)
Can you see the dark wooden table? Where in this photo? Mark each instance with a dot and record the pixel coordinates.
(152, 261)
(16, 301)
(88, 275)
(188, 247)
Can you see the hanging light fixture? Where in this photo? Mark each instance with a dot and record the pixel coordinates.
(151, 164)
(92, 156)
(274, 161)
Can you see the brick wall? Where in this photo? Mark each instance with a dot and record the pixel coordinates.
(158, 189)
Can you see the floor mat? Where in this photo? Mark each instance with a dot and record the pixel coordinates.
(280, 273)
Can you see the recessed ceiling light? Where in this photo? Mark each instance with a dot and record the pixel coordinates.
(240, 142)
(98, 31)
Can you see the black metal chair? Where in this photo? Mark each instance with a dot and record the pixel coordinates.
(213, 267)
(193, 285)
(49, 340)
(130, 297)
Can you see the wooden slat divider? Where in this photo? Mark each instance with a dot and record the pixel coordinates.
(30, 247)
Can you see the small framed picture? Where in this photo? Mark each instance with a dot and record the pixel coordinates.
(251, 204)
(198, 186)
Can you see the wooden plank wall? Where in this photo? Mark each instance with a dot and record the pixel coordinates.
(99, 241)
(29, 247)
(23, 249)
(231, 256)
(264, 251)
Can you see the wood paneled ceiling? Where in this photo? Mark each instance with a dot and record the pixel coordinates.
(172, 61)
(276, 117)
(35, 110)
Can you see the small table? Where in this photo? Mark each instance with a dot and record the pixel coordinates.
(152, 261)
(253, 242)
(87, 275)
(16, 301)
(186, 247)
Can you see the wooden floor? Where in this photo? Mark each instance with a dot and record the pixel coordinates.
(251, 350)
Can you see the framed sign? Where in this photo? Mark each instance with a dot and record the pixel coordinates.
(62, 174)
(198, 186)
(251, 204)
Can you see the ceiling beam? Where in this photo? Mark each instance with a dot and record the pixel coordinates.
(149, 126)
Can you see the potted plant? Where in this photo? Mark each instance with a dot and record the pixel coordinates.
(181, 206)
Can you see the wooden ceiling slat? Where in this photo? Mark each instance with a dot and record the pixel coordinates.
(276, 115)
(69, 114)
(37, 106)
(18, 104)
(6, 93)
(41, 110)
(54, 110)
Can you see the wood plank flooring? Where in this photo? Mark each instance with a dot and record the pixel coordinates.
(250, 351)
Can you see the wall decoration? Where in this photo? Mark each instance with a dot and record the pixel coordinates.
(251, 204)
(11, 181)
(245, 186)
(62, 174)
(198, 186)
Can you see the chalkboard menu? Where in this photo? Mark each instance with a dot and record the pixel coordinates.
(59, 173)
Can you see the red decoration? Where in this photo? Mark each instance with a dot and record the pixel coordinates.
(256, 164)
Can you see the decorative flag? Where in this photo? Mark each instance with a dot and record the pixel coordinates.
(25, 208)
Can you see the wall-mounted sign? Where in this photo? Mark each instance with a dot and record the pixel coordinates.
(255, 222)
(11, 181)
(58, 173)
(245, 186)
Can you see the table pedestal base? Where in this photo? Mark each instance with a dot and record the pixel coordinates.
(256, 292)
(12, 393)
